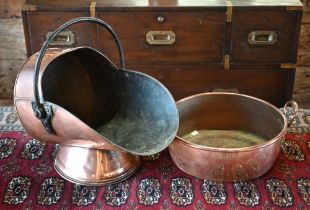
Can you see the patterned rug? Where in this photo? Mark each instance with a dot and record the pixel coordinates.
(28, 179)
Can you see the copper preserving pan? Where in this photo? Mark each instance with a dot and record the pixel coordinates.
(227, 136)
(102, 116)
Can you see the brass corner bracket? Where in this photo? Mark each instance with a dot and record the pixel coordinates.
(288, 66)
(226, 62)
(229, 11)
(294, 8)
(29, 7)
(92, 9)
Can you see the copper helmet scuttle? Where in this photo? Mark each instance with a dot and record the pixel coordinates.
(102, 117)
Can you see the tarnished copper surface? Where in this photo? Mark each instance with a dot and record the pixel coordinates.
(226, 111)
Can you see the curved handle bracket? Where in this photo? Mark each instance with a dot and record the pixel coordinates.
(44, 114)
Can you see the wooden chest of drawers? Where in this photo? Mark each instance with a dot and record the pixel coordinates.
(241, 46)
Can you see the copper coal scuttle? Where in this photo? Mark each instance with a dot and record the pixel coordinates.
(103, 117)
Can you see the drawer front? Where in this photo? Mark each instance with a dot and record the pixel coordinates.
(40, 23)
(263, 36)
(199, 37)
(273, 86)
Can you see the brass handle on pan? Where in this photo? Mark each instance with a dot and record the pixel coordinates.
(262, 37)
(64, 38)
(42, 110)
(290, 115)
(160, 37)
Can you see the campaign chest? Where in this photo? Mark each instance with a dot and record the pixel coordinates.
(249, 47)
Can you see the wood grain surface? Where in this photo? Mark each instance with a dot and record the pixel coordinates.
(201, 41)
(13, 53)
(10, 8)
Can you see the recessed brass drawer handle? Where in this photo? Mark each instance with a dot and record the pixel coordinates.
(65, 38)
(262, 37)
(160, 37)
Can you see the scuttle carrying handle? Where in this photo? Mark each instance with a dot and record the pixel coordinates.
(42, 110)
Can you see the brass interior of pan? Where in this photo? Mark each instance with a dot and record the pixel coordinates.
(228, 121)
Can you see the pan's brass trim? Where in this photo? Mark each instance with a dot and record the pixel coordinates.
(226, 62)
(229, 11)
(160, 37)
(262, 38)
(288, 66)
(92, 9)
